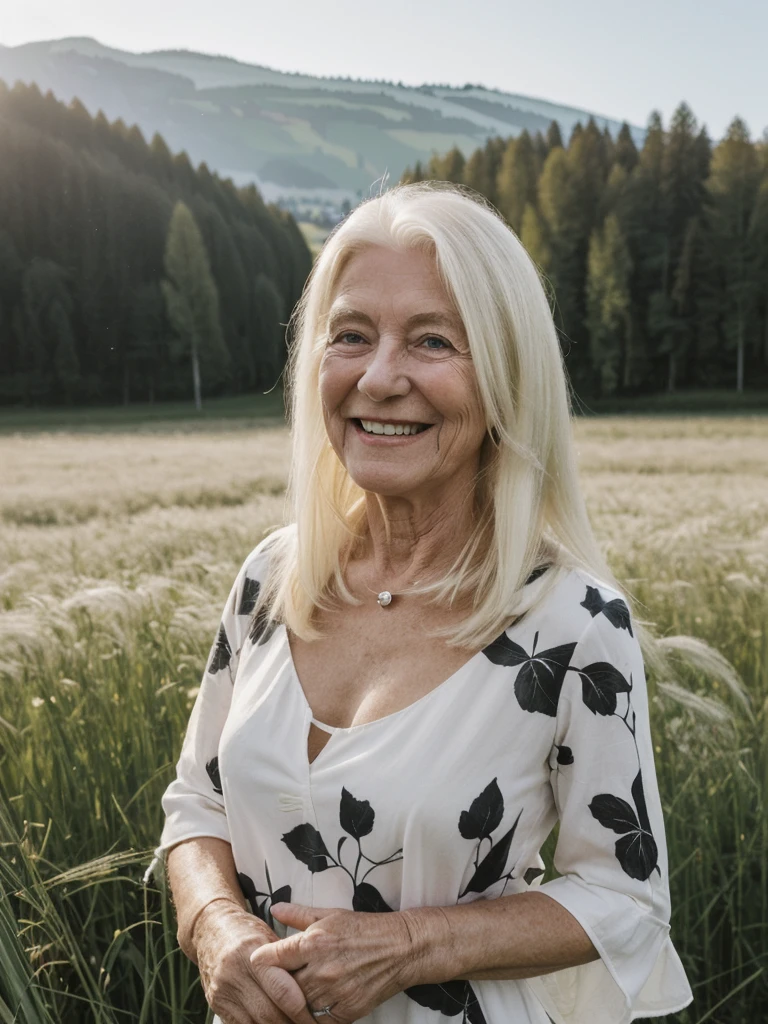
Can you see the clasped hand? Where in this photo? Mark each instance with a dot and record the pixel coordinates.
(343, 959)
(347, 960)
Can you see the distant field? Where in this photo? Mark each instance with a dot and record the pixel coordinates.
(118, 543)
(240, 410)
(255, 409)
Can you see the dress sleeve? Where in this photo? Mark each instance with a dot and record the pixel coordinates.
(193, 803)
(611, 851)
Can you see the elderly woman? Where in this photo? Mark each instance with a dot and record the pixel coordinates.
(422, 674)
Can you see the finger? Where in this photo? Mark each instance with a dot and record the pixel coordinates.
(295, 915)
(284, 991)
(286, 954)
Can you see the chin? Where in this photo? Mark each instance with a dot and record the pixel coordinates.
(384, 484)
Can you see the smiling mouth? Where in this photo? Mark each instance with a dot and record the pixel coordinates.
(374, 427)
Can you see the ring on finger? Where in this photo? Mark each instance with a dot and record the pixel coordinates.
(325, 1012)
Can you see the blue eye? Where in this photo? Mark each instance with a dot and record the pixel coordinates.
(442, 343)
(345, 336)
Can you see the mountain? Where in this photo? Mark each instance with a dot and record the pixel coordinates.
(291, 134)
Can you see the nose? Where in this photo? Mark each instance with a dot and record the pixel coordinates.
(385, 375)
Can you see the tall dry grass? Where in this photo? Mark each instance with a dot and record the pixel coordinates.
(116, 553)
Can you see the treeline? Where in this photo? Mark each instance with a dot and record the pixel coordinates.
(657, 258)
(92, 285)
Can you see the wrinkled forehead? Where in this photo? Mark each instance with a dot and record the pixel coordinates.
(379, 282)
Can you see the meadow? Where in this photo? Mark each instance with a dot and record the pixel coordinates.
(118, 545)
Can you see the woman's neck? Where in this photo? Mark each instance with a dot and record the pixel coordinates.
(410, 541)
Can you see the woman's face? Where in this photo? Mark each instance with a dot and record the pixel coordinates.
(399, 391)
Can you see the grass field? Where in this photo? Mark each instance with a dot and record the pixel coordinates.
(117, 548)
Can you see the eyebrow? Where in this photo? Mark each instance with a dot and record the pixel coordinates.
(342, 313)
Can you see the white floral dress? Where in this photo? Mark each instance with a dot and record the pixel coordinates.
(450, 799)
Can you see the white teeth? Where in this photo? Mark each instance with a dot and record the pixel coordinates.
(372, 427)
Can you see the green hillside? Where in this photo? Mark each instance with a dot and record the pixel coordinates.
(287, 133)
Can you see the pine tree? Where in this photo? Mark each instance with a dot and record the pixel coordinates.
(516, 181)
(642, 218)
(733, 187)
(682, 184)
(449, 167)
(608, 302)
(192, 301)
(66, 365)
(270, 333)
(148, 334)
(541, 149)
(625, 151)
(48, 359)
(758, 232)
(561, 228)
(11, 269)
(410, 177)
(476, 173)
(554, 136)
(494, 154)
(533, 235)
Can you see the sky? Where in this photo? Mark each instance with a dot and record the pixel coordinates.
(617, 60)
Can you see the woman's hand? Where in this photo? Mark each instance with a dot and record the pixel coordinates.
(344, 959)
(241, 990)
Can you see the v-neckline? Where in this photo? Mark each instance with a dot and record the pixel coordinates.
(334, 730)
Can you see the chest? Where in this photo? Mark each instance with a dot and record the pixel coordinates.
(373, 662)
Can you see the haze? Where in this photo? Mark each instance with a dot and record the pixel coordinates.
(618, 60)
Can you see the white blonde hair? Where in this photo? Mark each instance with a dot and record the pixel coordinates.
(529, 506)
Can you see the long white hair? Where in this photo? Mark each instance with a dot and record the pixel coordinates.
(529, 509)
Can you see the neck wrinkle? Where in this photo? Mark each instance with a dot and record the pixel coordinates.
(404, 546)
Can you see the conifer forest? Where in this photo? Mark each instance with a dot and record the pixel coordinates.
(126, 274)
(657, 259)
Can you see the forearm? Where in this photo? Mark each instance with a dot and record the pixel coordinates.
(517, 936)
(200, 871)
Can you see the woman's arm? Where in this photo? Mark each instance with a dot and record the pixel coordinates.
(202, 877)
(219, 935)
(355, 960)
(518, 936)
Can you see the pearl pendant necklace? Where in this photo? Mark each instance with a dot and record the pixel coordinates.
(384, 598)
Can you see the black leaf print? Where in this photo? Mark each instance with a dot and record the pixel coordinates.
(503, 651)
(484, 814)
(600, 683)
(639, 797)
(222, 652)
(636, 850)
(263, 909)
(212, 767)
(540, 679)
(249, 891)
(306, 844)
(356, 816)
(249, 596)
(261, 628)
(450, 998)
(532, 874)
(491, 868)
(615, 611)
(614, 813)
(282, 895)
(369, 900)
(638, 854)
(564, 754)
(474, 1012)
